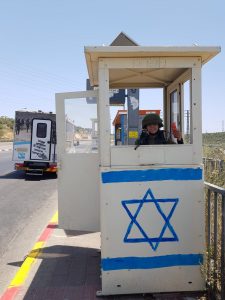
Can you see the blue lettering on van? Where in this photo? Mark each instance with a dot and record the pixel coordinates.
(21, 155)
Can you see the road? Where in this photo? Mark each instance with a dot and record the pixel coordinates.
(26, 206)
(6, 164)
(85, 146)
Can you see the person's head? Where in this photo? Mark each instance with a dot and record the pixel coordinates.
(152, 123)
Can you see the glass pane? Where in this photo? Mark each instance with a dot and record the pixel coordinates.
(187, 112)
(81, 126)
(174, 110)
(41, 130)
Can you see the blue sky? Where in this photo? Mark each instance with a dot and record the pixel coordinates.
(42, 45)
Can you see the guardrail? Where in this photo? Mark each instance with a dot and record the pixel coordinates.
(215, 241)
(212, 164)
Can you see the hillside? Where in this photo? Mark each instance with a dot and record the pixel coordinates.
(216, 138)
(214, 148)
(6, 128)
(7, 124)
(214, 145)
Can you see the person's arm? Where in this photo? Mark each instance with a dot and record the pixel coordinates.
(177, 133)
(142, 140)
(180, 141)
(178, 136)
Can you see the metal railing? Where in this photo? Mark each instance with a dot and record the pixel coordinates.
(211, 164)
(215, 239)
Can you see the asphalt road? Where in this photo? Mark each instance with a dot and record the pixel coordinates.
(6, 164)
(26, 206)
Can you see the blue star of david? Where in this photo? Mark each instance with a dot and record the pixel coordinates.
(152, 241)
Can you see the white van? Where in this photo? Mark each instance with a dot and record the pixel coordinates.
(34, 146)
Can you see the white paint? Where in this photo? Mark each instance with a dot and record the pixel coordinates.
(151, 281)
(134, 102)
(104, 115)
(78, 184)
(157, 154)
(78, 192)
(40, 147)
(187, 221)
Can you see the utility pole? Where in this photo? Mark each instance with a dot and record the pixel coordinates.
(188, 122)
(187, 116)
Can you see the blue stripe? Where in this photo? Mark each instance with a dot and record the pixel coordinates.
(127, 263)
(152, 175)
(22, 143)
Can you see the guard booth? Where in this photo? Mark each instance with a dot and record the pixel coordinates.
(148, 203)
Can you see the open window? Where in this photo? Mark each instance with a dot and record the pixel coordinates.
(165, 91)
(175, 113)
(171, 102)
(81, 131)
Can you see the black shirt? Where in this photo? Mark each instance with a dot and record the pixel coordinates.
(161, 137)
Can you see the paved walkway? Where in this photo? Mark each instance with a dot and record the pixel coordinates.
(6, 146)
(66, 266)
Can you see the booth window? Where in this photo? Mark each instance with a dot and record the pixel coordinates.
(126, 119)
(168, 94)
(81, 128)
(175, 110)
(187, 111)
(41, 130)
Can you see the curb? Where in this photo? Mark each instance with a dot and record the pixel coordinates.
(19, 279)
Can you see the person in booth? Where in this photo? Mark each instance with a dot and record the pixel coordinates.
(152, 135)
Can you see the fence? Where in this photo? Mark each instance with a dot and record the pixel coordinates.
(215, 239)
(211, 164)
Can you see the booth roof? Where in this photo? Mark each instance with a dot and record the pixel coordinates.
(93, 54)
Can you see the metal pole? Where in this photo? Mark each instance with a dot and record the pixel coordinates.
(208, 236)
(132, 115)
(223, 250)
(215, 240)
(188, 123)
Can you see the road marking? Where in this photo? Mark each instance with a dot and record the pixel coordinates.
(22, 274)
(10, 293)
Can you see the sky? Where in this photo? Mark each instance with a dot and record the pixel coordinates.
(42, 45)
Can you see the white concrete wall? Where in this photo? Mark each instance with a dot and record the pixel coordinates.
(152, 229)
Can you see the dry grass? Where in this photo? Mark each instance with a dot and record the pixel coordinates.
(6, 135)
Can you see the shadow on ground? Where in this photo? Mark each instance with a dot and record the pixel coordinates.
(13, 175)
(22, 175)
(45, 176)
(68, 272)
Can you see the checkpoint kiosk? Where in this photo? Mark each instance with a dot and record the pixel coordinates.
(148, 203)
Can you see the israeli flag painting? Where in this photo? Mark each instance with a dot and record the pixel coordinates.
(152, 226)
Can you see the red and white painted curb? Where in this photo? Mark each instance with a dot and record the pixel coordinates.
(22, 274)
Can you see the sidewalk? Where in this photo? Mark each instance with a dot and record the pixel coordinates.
(66, 266)
(6, 146)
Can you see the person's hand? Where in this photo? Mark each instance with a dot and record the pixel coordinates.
(176, 132)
